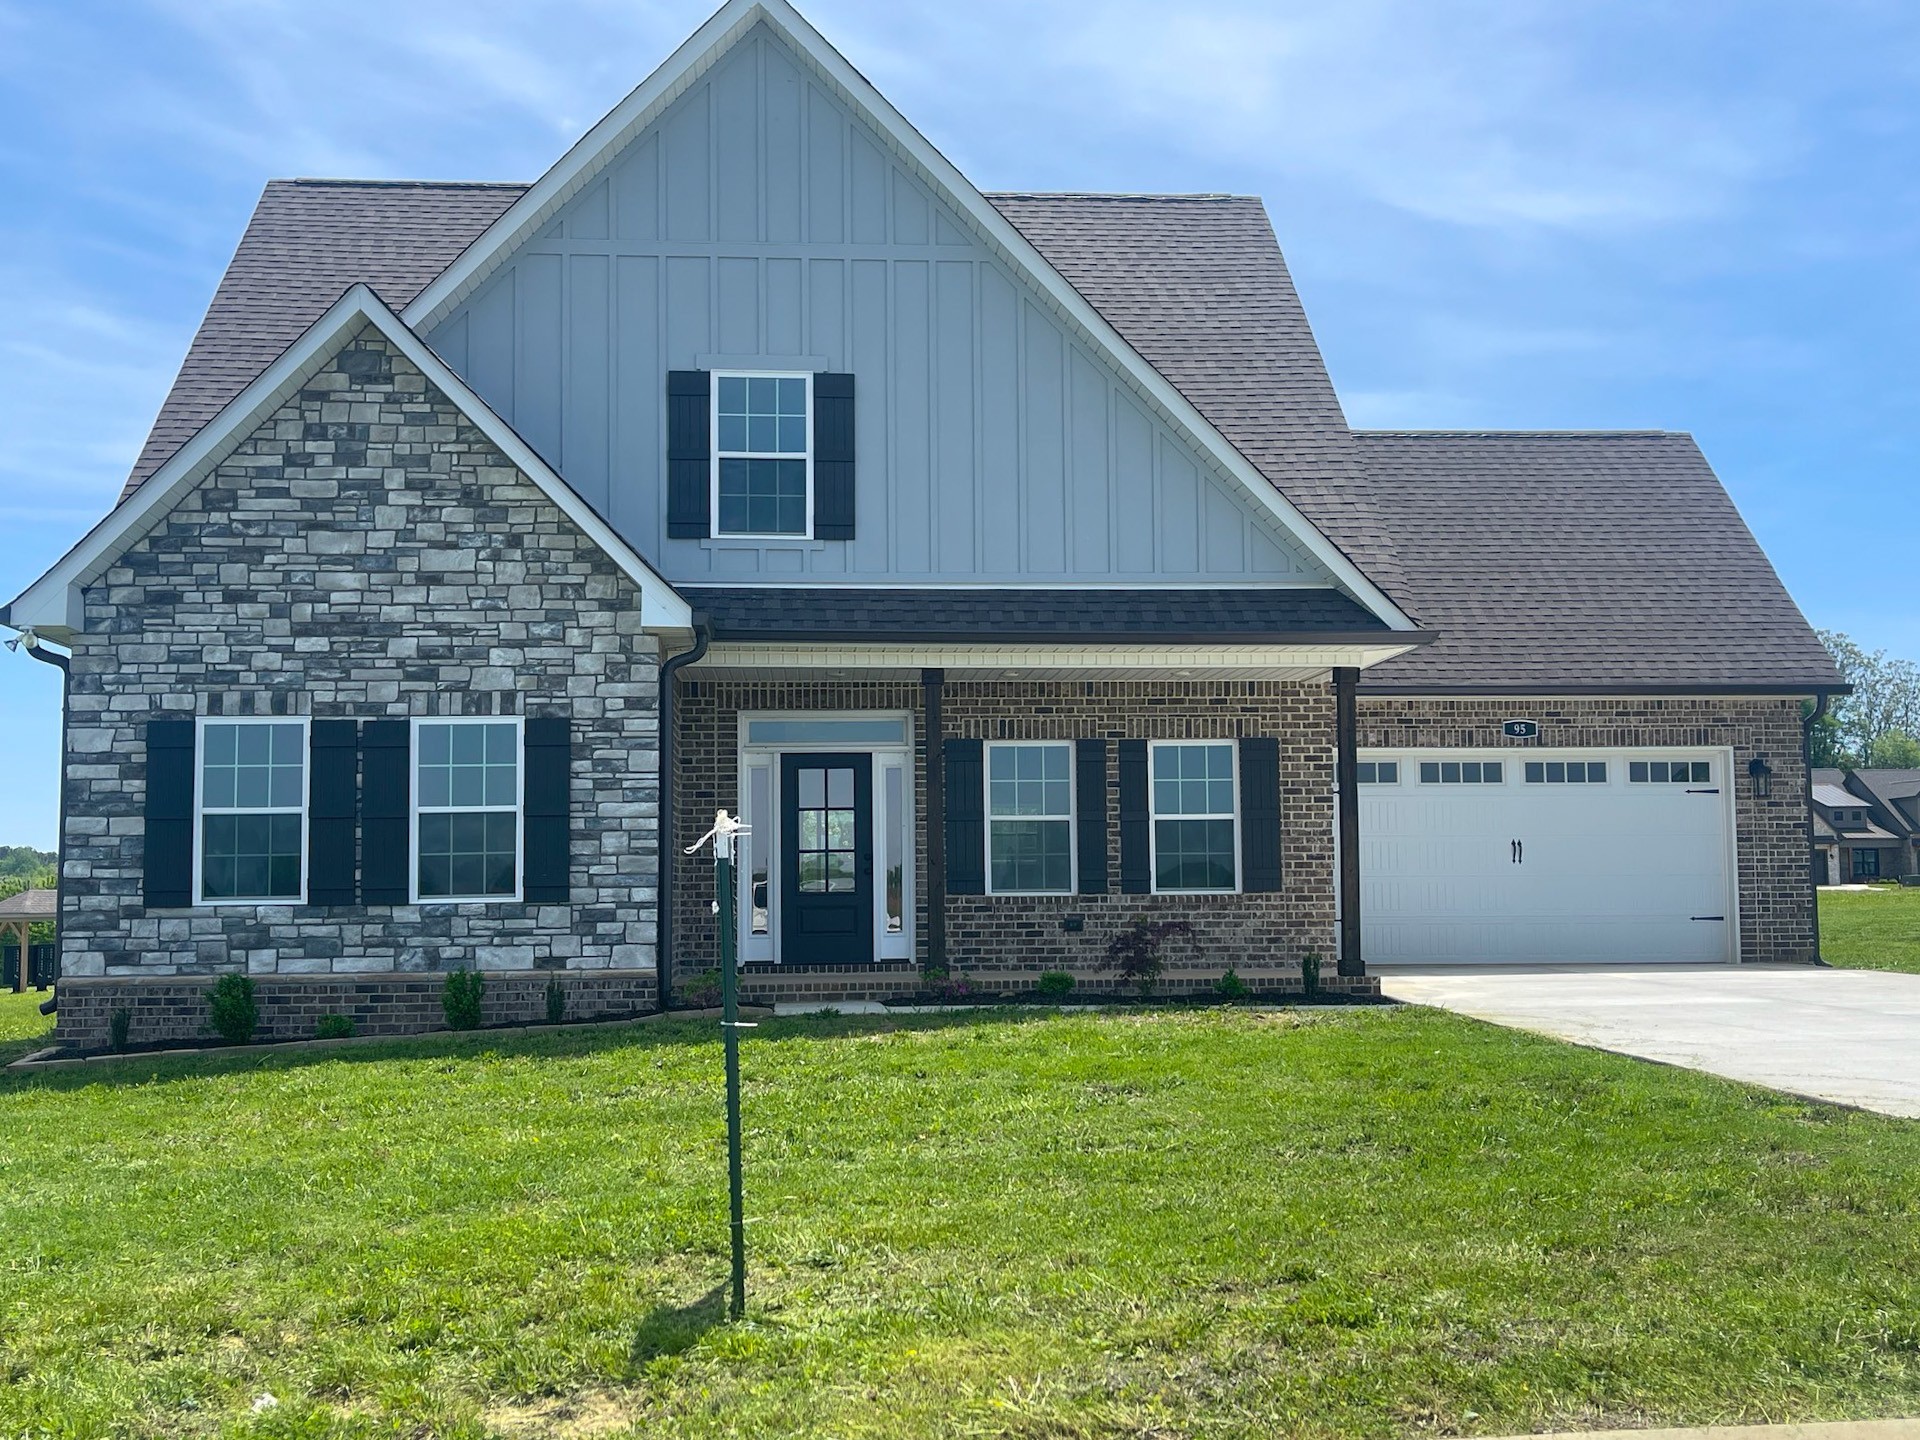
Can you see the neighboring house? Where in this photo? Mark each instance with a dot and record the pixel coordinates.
(1005, 560)
(1866, 825)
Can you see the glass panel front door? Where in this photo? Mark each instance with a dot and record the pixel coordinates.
(826, 846)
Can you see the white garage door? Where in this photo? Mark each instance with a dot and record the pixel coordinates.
(1535, 856)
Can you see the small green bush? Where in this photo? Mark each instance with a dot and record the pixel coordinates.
(1310, 974)
(118, 1025)
(236, 1014)
(460, 998)
(556, 1000)
(1055, 983)
(703, 991)
(333, 1027)
(1231, 987)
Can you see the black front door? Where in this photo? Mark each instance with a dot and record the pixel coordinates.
(826, 866)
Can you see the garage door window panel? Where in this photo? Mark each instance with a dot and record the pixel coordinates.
(1462, 772)
(1566, 772)
(1670, 772)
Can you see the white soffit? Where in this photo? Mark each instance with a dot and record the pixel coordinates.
(53, 605)
(698, 54)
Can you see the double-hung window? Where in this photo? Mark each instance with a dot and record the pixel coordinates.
(1195, 826)
(762, 454)
(1029, 819)
(250, 838)
(467, 791)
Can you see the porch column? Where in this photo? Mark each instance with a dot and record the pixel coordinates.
(1346, 770)
(932, 683)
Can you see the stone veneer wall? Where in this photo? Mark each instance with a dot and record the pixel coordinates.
(1005, 942)
(1771, 836)
(365, 553)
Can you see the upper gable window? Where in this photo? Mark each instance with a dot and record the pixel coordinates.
(762, 454)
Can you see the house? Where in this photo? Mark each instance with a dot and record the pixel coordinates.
(1005, 560)
(1866, 825)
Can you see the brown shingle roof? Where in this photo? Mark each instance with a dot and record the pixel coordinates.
(1555, 561)
(29, 905)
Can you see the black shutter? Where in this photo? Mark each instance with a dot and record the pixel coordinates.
(1136, 858)
(1090, 813)
(966, 806)
(1259, 814)
(385, 786)
(167, 883)
(833, 457)
(549, 761)
(689, 455)
(333, 752)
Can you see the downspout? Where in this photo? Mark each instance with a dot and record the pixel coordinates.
(1346, 774)
(63, 664)
(1811, 719)
(663, 883)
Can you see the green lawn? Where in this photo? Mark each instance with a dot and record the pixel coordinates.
(23, 1029)
(1876, 929)
(1208, 1224)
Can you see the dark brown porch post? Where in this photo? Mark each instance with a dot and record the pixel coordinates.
(1346, 772)
(935, 888)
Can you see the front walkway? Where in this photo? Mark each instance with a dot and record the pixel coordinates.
(1851, 1036)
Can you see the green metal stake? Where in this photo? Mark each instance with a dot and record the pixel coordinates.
(724, 830)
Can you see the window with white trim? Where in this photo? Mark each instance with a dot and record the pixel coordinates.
(1463, 772)
(467, 791)
(1670, 772)
(1378, 772)
(250, 832)
(1566, 772)
(1029, 819)
(1196, 825)
(762, 454)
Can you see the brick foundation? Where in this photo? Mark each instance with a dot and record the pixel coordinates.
(174, 1007)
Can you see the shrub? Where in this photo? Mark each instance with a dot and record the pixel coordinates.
(1135, 951)
(460, 998)
(556, 1000)
(118, 1025)
(1310, 974)
(1231, 987)
(703, 991)
(949, 988)
(236, 1014)
(333, 1027)
(1056, 983)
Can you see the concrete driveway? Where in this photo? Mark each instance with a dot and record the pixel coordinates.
(1847, 1035)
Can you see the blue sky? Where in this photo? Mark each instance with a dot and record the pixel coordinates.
(1695, 216)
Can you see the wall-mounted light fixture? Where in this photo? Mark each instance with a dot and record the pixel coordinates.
(1761, 774)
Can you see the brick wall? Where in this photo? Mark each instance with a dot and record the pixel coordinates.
(1005, 942)
(364, 553)
(174, 1007)
(1771, 836)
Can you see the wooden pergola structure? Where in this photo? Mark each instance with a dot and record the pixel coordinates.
(18, 915)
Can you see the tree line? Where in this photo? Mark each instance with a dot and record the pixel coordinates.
(1878, 725)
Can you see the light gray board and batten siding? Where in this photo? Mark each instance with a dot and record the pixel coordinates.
(759, 217)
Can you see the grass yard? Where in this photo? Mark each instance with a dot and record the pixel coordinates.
(23, 1029)
(1876, 929)
(1214, 1224)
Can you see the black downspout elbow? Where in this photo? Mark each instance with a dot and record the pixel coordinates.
(663, 883)
(64, 666)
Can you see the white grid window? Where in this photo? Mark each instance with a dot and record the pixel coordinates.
(1196, 841)
(1462, 772)
(1566, 772)
(762, 454)
(1029, 819)
(466, 809)
(1670, 772)
(250, 835)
